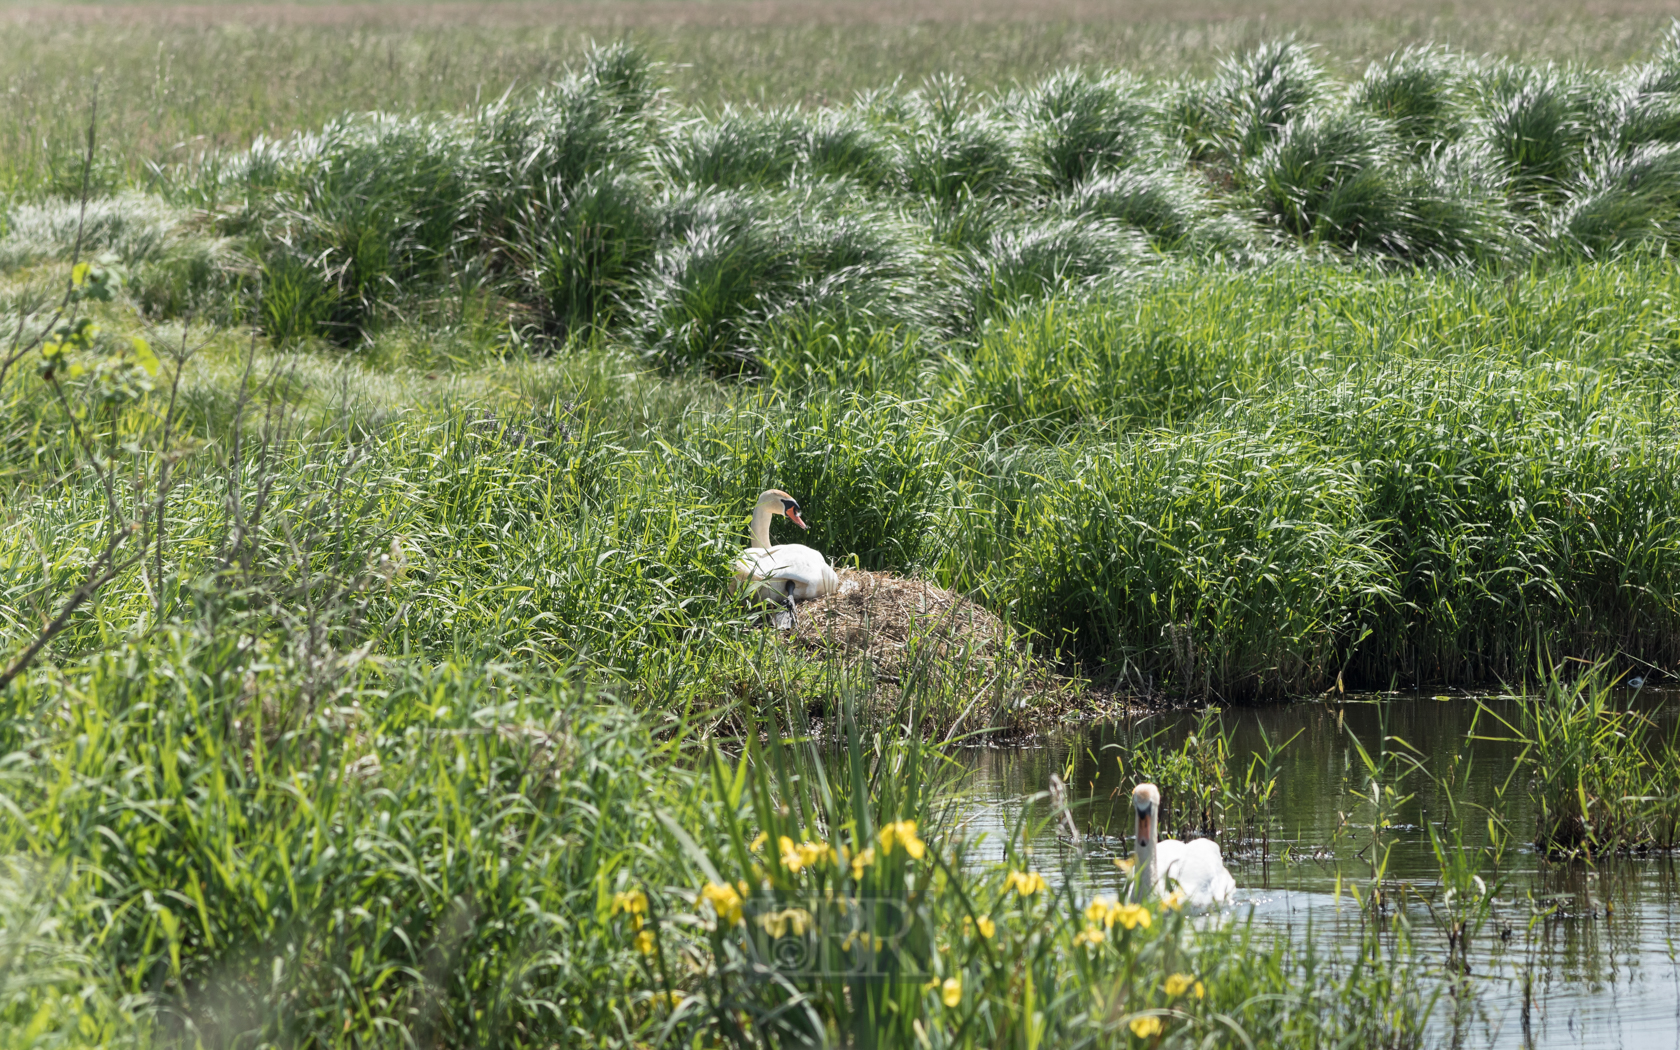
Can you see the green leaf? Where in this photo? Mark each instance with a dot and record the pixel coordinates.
(690, 847)
(143, 354)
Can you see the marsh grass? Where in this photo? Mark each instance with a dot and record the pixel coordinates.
(1095, 424)
(598, 202)
(181, 81)
(598, 208)
(1604, 778)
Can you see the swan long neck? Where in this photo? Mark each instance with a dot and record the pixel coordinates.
(1147, 830)
(760, 528)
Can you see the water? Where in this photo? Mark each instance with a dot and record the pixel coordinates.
(1597, 944)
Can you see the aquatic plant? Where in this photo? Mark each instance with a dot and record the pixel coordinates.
(838, 903)
(1603, 780)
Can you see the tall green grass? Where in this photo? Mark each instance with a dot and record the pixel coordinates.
(1218, 483)
(416, 708)
(597, 202)
(174, 84)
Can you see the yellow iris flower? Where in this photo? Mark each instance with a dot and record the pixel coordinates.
(780, 923)
(1131, 916)
(950, 993)
(1026, 883)
(811, 853)
(634, 902)
(725, 901)
(902, 832)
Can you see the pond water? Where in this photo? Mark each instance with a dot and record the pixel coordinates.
(1593, 949)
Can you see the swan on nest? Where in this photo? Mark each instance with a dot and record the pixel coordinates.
(787, 572)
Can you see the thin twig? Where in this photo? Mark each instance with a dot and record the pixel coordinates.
(104, 570)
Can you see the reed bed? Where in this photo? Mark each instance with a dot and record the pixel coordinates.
(1604, 775)
(1220, 388)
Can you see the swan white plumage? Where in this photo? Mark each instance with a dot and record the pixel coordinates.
(788, 572)
(1194, 868)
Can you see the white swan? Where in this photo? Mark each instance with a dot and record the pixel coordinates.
(1194, 867)
(789, 572)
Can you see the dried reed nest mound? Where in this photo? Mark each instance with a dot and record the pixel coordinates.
(970, 668)
(897, 623)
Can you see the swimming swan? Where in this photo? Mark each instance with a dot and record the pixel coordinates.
(788, 572)
(1195, 866)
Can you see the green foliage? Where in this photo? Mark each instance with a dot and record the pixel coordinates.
(736, 261)
(1461, 442)
(1538, 121)
(1602, 777)
(1234, 116)
(1170, 206)
(950, 160)
(1623, 200)
(593, 205)
(1322, 178)
(579, 245)
(435, 862)
(1025, 264)
(831, 903)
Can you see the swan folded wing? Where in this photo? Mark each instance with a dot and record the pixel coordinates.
(1198, 869)
(791, 571)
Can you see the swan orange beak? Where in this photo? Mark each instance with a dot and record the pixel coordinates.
(1143, 829)
(793, 516)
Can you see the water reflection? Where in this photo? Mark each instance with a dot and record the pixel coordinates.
(1570, 953)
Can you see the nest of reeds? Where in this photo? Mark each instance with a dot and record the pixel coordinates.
(970, 669)
(893, 622)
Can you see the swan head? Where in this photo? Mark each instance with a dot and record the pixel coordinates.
(778, 502)
(1146, 799)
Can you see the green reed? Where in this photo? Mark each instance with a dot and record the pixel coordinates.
(1602, 775)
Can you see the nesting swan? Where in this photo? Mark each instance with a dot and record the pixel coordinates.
(788, 572)
(1194, 868)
